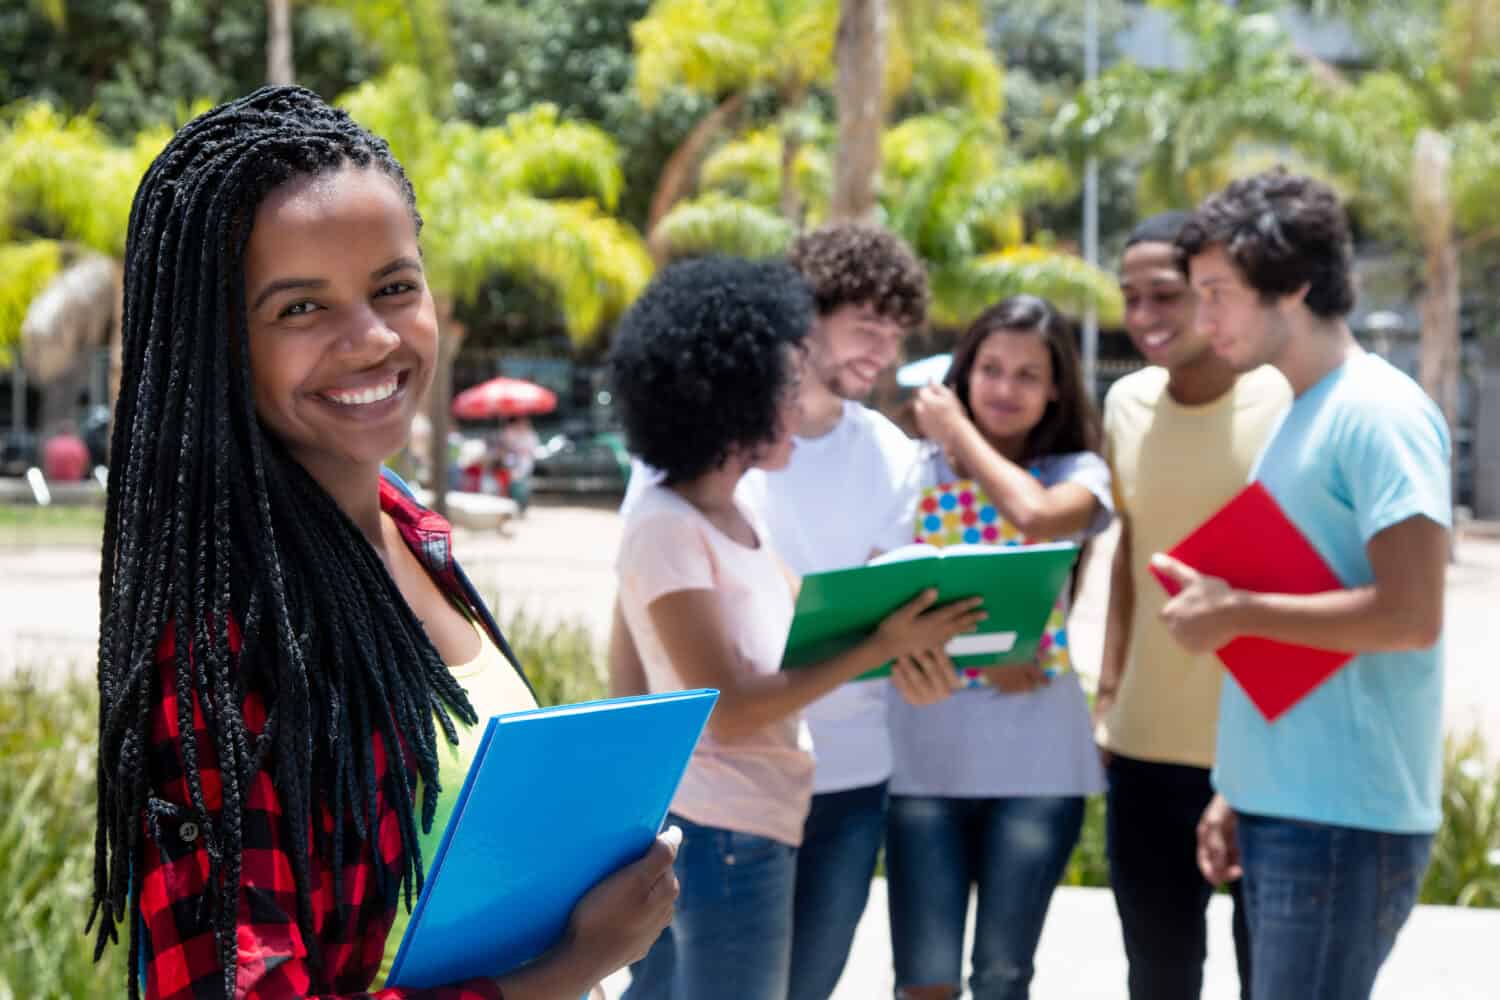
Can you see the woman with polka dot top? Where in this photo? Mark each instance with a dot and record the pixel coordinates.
(989, 786)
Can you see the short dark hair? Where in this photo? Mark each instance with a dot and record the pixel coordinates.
(700, 363)
(1071, 421)
(1282, 231)
(1163, 227)
(856, 263)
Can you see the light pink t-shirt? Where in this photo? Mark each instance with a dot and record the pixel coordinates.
(761, 783)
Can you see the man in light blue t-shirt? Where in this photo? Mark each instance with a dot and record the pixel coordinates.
(1329, 811)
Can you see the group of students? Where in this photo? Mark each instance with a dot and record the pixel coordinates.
(292, 664)
(975, 780)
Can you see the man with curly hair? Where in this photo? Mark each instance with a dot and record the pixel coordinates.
(1328, 812)
(848, 492)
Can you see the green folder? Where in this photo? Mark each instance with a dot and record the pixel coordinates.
(1019, 584)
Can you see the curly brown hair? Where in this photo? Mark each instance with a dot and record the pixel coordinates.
(853, 262)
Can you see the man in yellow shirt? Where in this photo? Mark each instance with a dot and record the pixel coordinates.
(1181, 436)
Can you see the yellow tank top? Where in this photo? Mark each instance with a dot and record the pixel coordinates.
(494, 687)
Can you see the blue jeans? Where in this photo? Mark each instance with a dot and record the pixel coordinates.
(731, 936)
(1152, 834)
(1013, 849)
(840, 844)
(1325, 904)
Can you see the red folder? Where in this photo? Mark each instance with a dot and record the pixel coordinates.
(1251, 544)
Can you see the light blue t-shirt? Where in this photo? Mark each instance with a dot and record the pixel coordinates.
(1360, 451)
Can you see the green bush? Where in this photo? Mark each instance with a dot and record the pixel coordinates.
(1465, 869)
(47, 739)
(1089, 865)
(561, 661)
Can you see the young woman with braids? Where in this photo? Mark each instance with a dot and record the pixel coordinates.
(291, 665)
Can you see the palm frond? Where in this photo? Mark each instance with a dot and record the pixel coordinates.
(715, 223)
(750, 168)
(536, 153)
(65, 176)
(26, 269)
(963, 289)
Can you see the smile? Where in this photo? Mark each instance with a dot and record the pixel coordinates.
(1156, 339)
(367, 396)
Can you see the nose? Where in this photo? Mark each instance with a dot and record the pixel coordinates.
(369, 339)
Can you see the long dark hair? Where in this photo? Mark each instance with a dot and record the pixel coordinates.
(1071, 421)
(211, 527)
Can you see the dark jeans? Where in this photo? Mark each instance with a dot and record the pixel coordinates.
(1151, 831)
(840, 844)
(731, 934)
(1325, 903)
(1013, 849)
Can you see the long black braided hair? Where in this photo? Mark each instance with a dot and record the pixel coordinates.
(212, 528)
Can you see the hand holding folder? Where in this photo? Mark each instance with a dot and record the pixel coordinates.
(556, 800)
(1252, 545)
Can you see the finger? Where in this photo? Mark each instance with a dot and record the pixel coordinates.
(901, 678)
(947, 671)
(931, 677)
(920, 603)
(1173, 569)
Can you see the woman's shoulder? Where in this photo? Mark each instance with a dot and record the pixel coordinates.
(1071, 465)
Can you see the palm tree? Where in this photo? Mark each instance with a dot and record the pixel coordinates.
(950, 188)
(529, 199)
(1413, 144)
(67, 188)
(730, 49)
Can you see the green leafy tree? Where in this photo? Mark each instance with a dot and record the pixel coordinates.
(1413, 143)
(950, 187)
(732, 50)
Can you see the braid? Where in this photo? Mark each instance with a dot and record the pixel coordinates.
(210, 525)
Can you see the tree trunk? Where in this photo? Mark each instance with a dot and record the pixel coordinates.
(440, 402)
(682, 165)
(1432, 208)
(279, 42)
(860, 54)
(790, 202)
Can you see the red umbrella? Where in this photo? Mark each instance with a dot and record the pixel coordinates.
(503, 397)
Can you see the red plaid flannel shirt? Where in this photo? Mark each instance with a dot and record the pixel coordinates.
(181, 959)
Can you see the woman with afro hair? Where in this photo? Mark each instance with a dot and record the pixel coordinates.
(291, 664)
(705, 367)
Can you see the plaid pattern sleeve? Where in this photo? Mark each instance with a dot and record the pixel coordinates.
(180, 958)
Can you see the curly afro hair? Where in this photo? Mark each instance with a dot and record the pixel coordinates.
(701, 363)
(857, 263)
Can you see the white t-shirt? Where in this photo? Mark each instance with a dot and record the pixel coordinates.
(844, 496)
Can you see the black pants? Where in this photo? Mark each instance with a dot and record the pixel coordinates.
(1161, 896)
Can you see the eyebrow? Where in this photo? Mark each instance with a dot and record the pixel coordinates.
(295, 284)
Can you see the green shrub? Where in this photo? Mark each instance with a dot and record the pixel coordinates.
(561, 661)
(47, 739)
(1465, 869)
(1089, 865)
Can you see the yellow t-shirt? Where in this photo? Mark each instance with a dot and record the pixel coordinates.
(494, 687)
(1174, 466)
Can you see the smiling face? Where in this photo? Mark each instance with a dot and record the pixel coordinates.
(851, 346)
(1244, 330)
(1010, 386)
(1159, 307)
(343, 333)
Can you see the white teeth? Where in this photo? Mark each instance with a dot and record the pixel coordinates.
(1157, 339)
(364, 397)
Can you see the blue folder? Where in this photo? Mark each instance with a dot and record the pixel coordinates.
(556, 800)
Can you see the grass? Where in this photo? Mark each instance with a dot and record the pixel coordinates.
(47, 740)
(27, 525)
